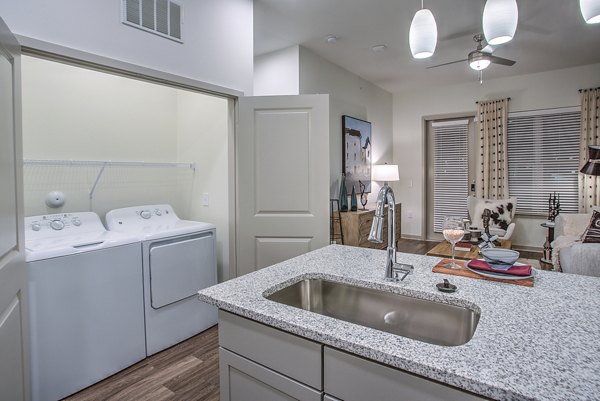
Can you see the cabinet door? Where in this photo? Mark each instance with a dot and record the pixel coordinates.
(244, 380)
(352, 378)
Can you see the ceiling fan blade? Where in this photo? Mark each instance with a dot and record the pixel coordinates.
(451, 62)
(502, 61)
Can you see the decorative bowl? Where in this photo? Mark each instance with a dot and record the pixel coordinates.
(500, 259)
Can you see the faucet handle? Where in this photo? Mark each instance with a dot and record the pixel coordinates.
(402, 268)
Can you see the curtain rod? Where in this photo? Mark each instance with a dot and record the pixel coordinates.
(477, 102)
(585, 90)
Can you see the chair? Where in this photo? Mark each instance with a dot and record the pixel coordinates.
(569, 254)
(503, 214)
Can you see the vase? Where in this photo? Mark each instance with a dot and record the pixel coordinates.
(353, 201)
(343, 195)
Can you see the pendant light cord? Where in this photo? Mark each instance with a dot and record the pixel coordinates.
(422, 6)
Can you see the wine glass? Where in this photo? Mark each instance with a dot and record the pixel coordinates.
(453, 231)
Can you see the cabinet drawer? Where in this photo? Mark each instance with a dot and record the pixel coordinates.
(244, 380)
(352, 378)
(291, 355)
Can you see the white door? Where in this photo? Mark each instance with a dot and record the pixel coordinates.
(282, 154)
(14, 365)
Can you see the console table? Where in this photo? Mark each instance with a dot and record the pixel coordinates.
(356, 227)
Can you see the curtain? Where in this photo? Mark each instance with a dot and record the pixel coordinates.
(589, 185)
(492, 158)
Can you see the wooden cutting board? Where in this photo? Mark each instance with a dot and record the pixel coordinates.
(464, 272)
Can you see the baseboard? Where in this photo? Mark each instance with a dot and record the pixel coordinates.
(527, 248)
(410, 236)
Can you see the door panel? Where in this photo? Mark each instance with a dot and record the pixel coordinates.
(14, 355)
(282, 156)
(273, 250)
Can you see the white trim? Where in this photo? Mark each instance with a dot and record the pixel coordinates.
(539, 112)
(54, 52)
(449, 123)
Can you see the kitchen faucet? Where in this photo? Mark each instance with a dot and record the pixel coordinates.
(392, 268)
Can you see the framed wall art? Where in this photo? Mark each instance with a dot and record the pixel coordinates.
(356, 159)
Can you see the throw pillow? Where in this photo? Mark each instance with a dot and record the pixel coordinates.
(592, 233)
(502, 212)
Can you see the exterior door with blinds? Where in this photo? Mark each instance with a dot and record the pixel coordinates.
(449, 172)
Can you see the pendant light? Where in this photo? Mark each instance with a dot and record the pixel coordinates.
(422, 36)
(500, 19)
(590, 9)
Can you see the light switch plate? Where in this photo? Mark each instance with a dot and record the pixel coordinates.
(204, 199)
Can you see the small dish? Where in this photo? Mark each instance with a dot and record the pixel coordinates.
(500, 259)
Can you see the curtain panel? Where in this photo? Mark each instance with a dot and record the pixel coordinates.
(589, 185)
(492, 158)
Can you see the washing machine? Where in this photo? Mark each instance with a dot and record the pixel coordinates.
(178, 258)
(86, 311)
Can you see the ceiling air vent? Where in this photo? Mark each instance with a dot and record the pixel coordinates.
(161, 17)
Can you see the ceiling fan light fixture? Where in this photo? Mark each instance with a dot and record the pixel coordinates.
(422, 36)
(590, 9)
(478, 61)
(500, 19)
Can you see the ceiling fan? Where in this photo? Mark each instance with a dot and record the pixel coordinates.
(480, 58)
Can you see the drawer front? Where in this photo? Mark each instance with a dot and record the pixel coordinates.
(352, 378)
(243, 380)
(286, 353)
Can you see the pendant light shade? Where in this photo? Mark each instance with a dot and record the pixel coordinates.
(500, 19)
(590, 9)
(422, 36)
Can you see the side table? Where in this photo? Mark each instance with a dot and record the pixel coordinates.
(547, 255)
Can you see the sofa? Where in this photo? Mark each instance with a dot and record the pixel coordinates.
(569, 254)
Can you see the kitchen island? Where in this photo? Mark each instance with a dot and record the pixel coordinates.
(540, 343)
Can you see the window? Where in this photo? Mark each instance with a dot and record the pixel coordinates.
(543, 158)
(450, 169)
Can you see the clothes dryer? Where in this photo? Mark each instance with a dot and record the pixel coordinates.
(179, 259)
(86, 311)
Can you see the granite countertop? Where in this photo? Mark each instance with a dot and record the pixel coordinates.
(540, 343)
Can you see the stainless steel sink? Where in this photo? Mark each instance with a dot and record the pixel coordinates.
(415, 318)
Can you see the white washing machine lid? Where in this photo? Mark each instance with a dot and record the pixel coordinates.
(151, 222)
(55, 235)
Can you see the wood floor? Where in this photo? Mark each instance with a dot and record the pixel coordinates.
(189, 371)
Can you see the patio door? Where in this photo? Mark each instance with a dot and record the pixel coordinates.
(450, 170)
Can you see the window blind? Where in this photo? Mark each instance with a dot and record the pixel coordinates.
(543, 158)
(451, 170)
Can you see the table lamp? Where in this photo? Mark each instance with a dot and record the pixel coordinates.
(386, 173)
(592, 166)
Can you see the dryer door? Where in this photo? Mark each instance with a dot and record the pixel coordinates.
(180, 267)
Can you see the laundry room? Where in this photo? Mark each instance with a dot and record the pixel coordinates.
(95, 140)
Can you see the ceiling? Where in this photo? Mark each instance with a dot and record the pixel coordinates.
(551, 34)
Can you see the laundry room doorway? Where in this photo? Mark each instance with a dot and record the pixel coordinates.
(98, 139)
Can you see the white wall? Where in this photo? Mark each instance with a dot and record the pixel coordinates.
(350, 95)
(217, 35)
(78, 114)
(549, 89)
(202, 131)
(277, 73)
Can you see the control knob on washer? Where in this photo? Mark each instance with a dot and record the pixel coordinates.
(158, 212)
(76, 222)
(145, 214)
(36, 226)
(57, 224)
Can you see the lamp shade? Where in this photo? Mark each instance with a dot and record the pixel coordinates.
(422, 36)
(590, 9)
(385, 172)
(500, 19)
(592, 166)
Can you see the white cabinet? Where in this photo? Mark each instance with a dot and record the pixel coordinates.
(258, 362)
